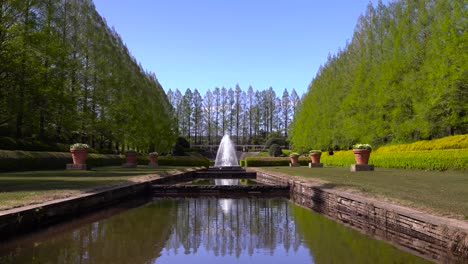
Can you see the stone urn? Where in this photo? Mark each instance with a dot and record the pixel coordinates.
(131, 158)
(79, 152)
(79, 156)
(315, 156)
(294, 157)
(153, 156)
(362, 156)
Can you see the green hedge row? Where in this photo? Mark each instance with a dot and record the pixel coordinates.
(34, 160)
(424, 159)
(189, 161)
(272, 162)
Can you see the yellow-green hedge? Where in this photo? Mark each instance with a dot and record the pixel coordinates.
(452, 142)
(424, 159)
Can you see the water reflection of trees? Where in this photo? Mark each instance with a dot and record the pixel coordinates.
(135, 236)
(249, 224)
(331, 242)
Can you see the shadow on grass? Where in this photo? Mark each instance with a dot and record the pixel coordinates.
(39, 184)
(72, 180)
(94, 172)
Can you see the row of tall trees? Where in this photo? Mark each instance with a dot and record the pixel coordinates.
(248, 116)
(65, 76)
(403, 77)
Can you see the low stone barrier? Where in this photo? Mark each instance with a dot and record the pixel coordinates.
(219, 190)
(27, 218)
(436, 238)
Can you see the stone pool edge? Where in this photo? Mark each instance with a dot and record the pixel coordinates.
(437, 238)
(28, 218)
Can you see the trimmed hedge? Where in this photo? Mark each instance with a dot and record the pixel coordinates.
(273, 162)
(424, 159)
(451, 142)
(34, 160)
(189, 161)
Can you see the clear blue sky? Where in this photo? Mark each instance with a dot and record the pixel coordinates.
(207, 43)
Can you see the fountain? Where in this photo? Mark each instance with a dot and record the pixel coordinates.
(226, 158)
(226, 155)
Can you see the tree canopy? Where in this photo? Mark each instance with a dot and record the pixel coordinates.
(65, 76)
(403, 77)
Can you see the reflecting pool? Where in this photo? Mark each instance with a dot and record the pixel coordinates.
(203, 230)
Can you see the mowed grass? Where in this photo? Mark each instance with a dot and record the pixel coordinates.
(32, 187)
(443, 193)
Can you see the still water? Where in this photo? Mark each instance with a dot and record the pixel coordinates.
(203, 230)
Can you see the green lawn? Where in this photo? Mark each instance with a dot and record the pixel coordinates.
(444, 193)
(30, 187)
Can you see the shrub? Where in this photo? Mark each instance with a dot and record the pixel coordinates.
(424, 159)
(34, 160)
(362, 146)
(178, 150)
(274, 140)
(451, 142)
(7, 143)
(272, 162)
(183, 142)
(79, 146)
(190, 161)
(275, 150)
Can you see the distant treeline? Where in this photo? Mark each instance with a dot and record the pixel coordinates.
(65, 76)
(250, 117)
(403, 77)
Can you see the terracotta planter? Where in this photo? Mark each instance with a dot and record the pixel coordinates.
(153, 158)
(79, 156)
(362, 155)
(131, 158)
(294, 159)
(315, 157)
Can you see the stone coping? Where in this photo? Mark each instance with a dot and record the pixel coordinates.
(22, 219)
(433, 237)
(414, 213)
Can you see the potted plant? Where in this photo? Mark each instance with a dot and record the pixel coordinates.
(131, 156)
(153, 159)
(294, 156)
(362, 153)
(315, 155)
(79, 153)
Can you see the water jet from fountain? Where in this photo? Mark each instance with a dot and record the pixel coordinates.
(226, 155)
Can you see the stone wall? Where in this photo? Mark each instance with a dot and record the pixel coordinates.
(436, 238)
(28, 218)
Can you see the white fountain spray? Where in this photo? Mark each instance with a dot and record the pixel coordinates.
(226, 155)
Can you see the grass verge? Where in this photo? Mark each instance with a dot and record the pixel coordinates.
(32, 187)
(440, 192)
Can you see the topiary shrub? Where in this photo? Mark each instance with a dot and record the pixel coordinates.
(275, 150)
(183, 142)
(275, 140)
(178, 150)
